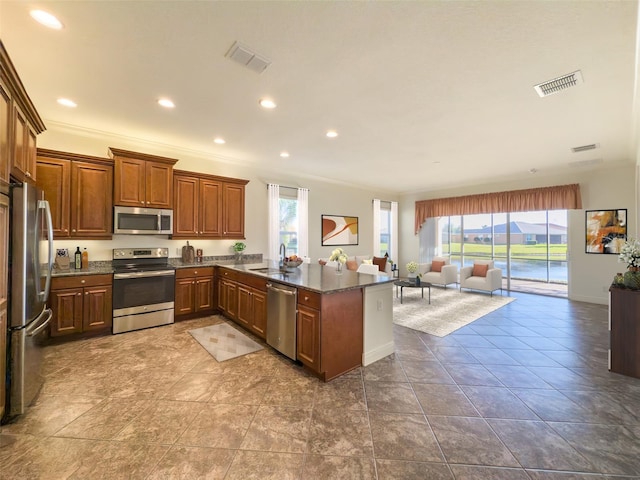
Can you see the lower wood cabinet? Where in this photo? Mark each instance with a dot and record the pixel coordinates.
(252, 309)
(194, 291)
(81, 304)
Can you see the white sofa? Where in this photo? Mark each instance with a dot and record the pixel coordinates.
(359, 261)
(447, 276)
(490, 283)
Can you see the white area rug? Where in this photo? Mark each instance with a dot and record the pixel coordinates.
(450, 309)
(224, 342)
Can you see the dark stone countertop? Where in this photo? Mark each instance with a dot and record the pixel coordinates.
(314, 277)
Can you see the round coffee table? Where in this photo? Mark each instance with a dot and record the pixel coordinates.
(412, 284)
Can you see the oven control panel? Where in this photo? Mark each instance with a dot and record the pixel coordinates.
(140, 253)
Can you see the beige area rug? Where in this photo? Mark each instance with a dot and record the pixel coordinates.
(450, 309)
(224, 342)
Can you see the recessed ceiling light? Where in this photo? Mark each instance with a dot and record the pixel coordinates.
(46, 19)
(165, 102)
(219, 141)
(284, 154)
(267, 103)
(67, 103)
(332, 134)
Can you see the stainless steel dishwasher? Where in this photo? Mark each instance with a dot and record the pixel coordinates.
(281, 318)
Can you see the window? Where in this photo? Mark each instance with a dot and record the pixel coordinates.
(288, 226)
(385, 229)
(528, 246)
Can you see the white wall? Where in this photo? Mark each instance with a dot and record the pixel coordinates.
(606, 189)
(324, 198)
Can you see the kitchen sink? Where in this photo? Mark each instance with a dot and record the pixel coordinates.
(267, 270)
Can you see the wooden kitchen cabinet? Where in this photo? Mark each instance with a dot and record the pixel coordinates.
(308, 329)
(142, 180)
(194, 291)
(5, 122)
(252, 309)
(81, 304)
(79, 191)
(208, 206)
(4, 295)
(19, 125)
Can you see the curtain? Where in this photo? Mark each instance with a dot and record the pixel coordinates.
(376, 227)
(561, 197)
(394, 232)
(274, 222)
(303, 222)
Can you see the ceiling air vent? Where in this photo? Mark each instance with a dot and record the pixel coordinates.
(559, 84)
(584, 148)
(245, 56)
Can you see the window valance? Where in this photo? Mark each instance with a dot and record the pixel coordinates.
(561, 197)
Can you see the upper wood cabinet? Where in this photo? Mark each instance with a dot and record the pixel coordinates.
(79, 190)
(142, 180)
(19, 125)
(207, 206)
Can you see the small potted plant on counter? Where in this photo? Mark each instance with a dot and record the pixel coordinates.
(239, 248)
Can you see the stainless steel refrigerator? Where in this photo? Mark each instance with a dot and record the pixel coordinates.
(30, 283)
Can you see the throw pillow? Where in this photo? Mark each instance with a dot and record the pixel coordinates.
(322, 262)
(352, 265)
(381, 262)
(436, 265)
(367, 261)
(480, 270)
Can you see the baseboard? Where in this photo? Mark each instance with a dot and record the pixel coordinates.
(378, 353)
(598, 300)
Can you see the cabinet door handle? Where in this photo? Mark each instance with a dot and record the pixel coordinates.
(82, 281)
(142, 202)
(66, 229)
(73, 230)
(86, 293)
(28, 175)
(306, 299)
(79, 294)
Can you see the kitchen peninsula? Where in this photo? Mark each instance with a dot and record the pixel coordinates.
(344, 320)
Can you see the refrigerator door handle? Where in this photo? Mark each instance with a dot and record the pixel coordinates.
(43, 204)
(39, 324)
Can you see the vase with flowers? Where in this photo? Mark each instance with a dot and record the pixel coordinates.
(339, 255)
(412, 268)
(630, 254)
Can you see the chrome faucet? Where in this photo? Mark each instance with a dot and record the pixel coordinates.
(282, 253)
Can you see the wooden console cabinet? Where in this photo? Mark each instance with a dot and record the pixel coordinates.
(81, 304)
(624, 326)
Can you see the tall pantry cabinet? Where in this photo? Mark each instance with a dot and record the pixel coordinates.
(19, 126)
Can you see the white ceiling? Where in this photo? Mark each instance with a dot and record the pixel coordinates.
(424, 94)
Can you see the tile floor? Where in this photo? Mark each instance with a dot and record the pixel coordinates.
(522, 393)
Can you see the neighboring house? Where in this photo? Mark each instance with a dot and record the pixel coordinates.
(522, 233)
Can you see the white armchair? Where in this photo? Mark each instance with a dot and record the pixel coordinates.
(448, 273)
(489, 283)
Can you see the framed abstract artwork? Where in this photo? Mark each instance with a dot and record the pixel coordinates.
(339, 230)
(606, 230)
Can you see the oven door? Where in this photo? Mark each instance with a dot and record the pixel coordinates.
(137, 292)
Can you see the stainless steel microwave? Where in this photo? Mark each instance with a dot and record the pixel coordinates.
(142, 221)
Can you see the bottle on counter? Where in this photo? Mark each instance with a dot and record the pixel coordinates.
(85, 259)
(77, 259)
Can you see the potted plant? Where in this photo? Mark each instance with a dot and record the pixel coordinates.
(630, 254)
(239, 247)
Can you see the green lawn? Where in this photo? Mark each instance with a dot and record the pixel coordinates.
(556, 252)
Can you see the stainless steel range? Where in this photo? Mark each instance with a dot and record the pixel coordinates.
(143, 288)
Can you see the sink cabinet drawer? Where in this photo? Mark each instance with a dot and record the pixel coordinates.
(228, 274)
(308, 298)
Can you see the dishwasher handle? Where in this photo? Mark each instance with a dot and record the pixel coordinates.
(280, 290)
